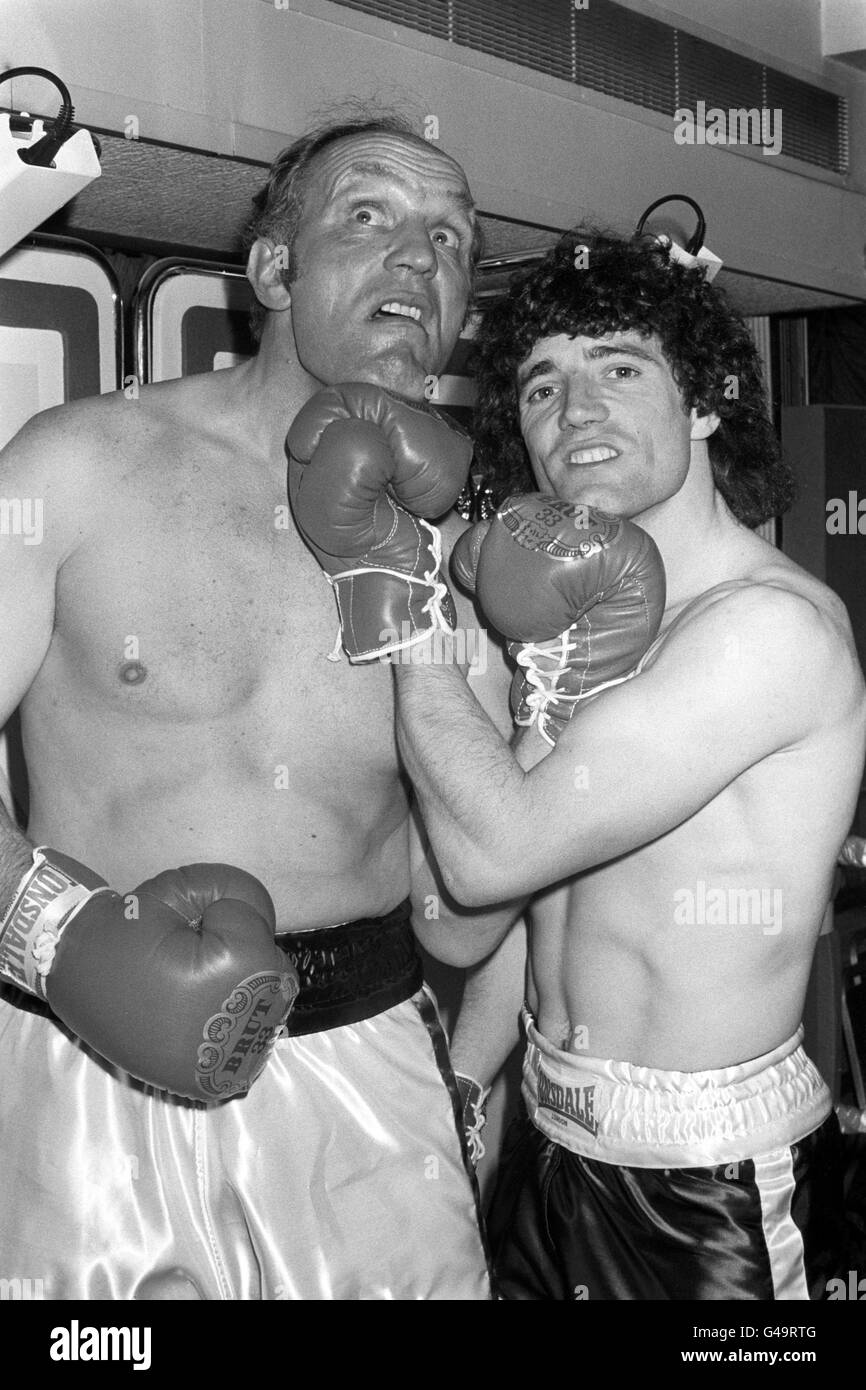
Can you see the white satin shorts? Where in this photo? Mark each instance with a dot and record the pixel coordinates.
(341, 1174)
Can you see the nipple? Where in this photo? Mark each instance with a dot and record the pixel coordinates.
(132, 673)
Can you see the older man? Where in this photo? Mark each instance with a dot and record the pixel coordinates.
(169, 646)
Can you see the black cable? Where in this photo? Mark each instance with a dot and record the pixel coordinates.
(43, 152)
(696, 240)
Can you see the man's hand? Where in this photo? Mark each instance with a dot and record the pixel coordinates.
(473, 1105)
(365, 470)
(853, 852)
(581, 595)
(179, 982)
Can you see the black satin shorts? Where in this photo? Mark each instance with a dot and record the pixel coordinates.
(566, 1227)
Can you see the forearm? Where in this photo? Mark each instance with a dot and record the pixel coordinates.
(488, 1024)
(451, 933)
(461, 767)
(16, 857)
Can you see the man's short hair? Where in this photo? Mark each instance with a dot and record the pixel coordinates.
(278, 207)
(625, 285)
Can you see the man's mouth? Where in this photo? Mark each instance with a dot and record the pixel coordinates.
(599, 453)
(398, 309)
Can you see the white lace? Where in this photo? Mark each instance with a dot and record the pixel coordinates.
(429, 580)
(545, 691)
(474, 1110)
(474, 1142)
(56, 917)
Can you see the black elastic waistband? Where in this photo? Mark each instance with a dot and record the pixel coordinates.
(352, 972)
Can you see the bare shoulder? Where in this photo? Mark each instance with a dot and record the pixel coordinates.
(77, 434)
(779, 630)
(74, 457)
(100, 432)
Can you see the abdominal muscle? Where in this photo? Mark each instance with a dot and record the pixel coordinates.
(329, 842)
(618, 977)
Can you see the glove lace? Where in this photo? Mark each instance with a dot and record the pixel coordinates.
(473, 1098)
(433, 606)
(429, 579)
(474, 1142)
(545, 701)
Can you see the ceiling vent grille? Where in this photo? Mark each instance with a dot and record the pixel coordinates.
(610, 49)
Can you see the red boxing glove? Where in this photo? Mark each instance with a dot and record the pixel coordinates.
(365, 469)
(580, 594)
(473, 1113)
(180, 982)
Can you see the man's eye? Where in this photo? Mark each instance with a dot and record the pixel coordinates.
(629, 372)
(446, 236)
(367, 213)
(540, 393)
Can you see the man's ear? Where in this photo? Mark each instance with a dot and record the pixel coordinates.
(702, 426)
(266, 267)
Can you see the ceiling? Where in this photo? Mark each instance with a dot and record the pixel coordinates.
(167, 200)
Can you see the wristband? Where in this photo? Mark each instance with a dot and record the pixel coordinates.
(473, 1101)
(44, 903)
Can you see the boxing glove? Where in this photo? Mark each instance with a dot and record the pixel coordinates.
(365, 471)
(473, 1113)
(180, 982)
(580, 595)
(853, 852)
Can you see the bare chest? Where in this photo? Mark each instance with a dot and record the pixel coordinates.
(196, 602)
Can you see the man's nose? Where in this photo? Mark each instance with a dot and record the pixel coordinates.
(412, 249)
(583, 403)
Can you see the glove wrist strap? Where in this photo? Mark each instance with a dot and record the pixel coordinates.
(44, 903)
(428, 607)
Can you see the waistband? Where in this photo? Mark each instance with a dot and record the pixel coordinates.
(641, 1117)
(353, 971)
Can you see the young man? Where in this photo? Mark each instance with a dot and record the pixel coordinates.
(169, 645)
(678, 824)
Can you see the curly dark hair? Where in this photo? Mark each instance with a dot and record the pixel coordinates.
(278, 207)
(633, 284)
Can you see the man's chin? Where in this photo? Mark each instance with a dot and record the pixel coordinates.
(410, 384)
(573, 490)
(397, 368)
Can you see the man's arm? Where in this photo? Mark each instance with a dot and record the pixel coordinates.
(436, 913)
(487, 1028)
(480, 653)
(488, 1023)
(28, 571)
(726, 690)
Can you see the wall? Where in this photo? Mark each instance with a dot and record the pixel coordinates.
(788, 30)
(241, 76)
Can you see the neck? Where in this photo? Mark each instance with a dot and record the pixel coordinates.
(270, 390)
(700, 541)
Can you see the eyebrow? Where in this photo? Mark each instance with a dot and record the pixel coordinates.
(527, 374)
(597, 353)
(372, 167)
(616, 350)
